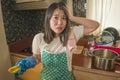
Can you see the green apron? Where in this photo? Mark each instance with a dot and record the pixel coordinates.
(55, 67)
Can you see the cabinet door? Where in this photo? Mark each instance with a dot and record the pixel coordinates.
(81, 75)
(118, 79)
(21, 1)
(33, 4)
(14, 59)
(30, 74)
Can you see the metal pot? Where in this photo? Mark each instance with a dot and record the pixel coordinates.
(113, 31)
(104, 59)
(105, 38)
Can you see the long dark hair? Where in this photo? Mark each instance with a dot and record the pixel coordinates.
(49, 35)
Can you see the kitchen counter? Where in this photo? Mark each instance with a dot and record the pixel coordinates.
(84, 70)
(82, 67)
(84, 63)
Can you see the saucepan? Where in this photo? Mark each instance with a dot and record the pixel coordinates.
(104, 59)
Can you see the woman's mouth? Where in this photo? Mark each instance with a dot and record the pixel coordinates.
(59, 28)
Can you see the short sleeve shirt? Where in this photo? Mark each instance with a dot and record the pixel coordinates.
(38, 44)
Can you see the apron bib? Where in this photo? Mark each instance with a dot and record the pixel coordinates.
(55, 67)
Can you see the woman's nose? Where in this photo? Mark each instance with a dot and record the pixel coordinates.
(59, 21)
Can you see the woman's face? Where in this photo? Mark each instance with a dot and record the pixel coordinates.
(58, 21)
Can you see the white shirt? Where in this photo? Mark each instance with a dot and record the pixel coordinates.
(55, 46)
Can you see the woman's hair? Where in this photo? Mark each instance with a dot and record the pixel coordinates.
(49, 33)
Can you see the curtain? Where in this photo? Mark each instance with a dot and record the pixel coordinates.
(106, 12)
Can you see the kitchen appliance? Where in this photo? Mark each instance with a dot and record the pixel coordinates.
(14, 69)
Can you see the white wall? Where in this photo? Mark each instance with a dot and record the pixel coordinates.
(5, 62)
(106, 12)
(114, 15)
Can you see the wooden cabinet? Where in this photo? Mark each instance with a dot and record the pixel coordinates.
(22, 1)
(118, 78)
(92, 74)
(33, 4)
(39, 4)
(30, 74)
(80, 73)
(83, 70)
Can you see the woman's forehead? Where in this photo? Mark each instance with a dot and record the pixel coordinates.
(58, 12)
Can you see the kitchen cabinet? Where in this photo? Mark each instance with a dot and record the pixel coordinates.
(22, 1)
(39, 4)
(96, 75)
(33, 4)
(81, 69)
(30, 74)
(84, 71)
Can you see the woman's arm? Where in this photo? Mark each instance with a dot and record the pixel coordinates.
(37, 57)
(36, 46)
(89, 25)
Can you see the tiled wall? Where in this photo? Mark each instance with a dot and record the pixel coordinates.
(20, 24)
(79, 8)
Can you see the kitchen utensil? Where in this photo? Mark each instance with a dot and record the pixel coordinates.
(105, 38)
(104, 59)
(113, 31)
(14, 69)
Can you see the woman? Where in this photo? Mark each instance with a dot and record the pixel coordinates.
(55, 46)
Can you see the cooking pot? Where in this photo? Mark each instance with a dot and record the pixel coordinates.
(104, 59)
(113, 31)
(105, 38)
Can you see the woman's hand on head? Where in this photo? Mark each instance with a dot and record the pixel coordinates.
(70, 14)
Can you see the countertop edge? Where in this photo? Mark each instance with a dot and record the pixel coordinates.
(101, 72)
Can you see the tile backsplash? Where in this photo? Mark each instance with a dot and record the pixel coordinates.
(23, 23)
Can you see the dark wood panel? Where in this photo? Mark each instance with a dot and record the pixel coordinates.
(21, 44)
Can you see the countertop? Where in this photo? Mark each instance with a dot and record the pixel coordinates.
(84, 63)
(79, 61)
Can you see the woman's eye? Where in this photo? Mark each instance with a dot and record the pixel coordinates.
(55, 17)
(64, 18)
